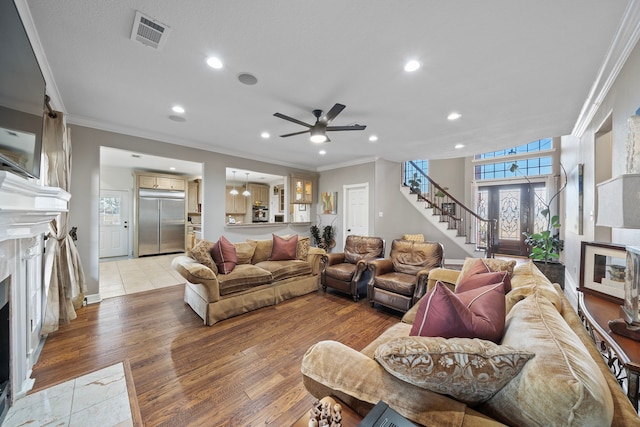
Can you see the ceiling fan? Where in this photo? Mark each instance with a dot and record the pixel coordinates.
(319, 130)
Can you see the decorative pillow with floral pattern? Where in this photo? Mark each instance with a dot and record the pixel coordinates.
(470, 370)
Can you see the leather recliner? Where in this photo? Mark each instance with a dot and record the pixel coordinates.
(347, 271)
(400, 281)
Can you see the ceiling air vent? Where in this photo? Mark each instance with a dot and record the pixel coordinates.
(149, 32)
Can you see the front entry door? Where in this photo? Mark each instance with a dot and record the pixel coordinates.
(514, 207)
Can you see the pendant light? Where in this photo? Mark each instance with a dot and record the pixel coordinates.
(246, 192)
(234, 192)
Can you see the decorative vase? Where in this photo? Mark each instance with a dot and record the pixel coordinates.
(553, 270)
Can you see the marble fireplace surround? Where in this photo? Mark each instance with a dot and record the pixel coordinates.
(26, 209)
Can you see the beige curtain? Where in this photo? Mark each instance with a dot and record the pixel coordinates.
(63, 275)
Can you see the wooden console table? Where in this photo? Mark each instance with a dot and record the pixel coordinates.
(621, 354)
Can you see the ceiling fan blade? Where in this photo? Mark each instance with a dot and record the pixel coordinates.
(291, 119)
(294, 133)
(351, 127)
(335, 110)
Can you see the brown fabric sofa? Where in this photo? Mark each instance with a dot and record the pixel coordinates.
(346, 271)
(400, 281)
(254, 283)
(566, 382)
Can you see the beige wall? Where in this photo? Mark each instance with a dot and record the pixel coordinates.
(620, 103)
(85, 189)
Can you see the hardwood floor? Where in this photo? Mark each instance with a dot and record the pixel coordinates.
(244, 371)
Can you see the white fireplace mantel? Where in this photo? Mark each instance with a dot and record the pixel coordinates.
(26, 209)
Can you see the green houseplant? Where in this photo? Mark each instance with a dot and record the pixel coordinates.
(323, 237)
(414, 184)
(545, 245)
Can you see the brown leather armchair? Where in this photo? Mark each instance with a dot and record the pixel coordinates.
(344, 271)
(400, 281)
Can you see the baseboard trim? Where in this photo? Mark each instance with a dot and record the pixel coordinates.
(93, 298)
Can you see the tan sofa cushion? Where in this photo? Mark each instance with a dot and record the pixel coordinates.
(469, 370)
(262, 251)
(413, 237)
(244, 251)
(562, 385)
(526, 280)
(281, 270)
(493, 264)
(243, 276)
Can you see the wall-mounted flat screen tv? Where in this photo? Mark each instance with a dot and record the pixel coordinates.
(22, 93)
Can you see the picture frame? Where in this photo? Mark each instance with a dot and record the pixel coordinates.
(602, 270)
(449, 209)
(329, 202)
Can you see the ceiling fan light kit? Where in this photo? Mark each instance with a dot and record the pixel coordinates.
(318, 131)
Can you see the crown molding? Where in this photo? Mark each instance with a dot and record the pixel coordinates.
(621, 46)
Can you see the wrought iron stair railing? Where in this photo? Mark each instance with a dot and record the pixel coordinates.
(475, 229)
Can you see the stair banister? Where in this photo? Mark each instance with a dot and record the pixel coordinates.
(475, 229)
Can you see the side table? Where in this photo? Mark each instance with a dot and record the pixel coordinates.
(621, 354)
(350, 418)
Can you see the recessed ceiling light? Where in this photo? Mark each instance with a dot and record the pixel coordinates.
(373, 138)
(411, 66)
(214, 62)
(459, 146)
(172, 168)
(265, 135)
(322, 152)
(177, 109)
(454, 116)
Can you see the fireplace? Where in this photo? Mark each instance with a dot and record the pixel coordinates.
(26, 209)
(5, 351)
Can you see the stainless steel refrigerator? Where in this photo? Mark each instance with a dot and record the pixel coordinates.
(161, 221)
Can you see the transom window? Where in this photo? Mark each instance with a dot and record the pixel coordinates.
(529, 166)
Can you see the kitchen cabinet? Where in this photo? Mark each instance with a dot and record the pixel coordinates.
(161, 182)
(259, 193)
(301, 190)
(235, 204)
(193, 196)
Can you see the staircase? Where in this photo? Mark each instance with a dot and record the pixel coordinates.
(449, 215)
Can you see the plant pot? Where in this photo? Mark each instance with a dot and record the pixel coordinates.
(553, 270)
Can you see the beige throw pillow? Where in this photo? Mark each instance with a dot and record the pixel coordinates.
(201, 252)
(468, 369)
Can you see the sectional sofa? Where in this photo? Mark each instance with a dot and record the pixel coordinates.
(545, 370)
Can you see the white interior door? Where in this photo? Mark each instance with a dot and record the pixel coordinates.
(356, 210)
(114, 223)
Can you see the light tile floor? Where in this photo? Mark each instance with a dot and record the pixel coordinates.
(96, 399)
(127, 276)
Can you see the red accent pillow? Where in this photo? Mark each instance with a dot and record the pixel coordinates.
(224, 255)
(284, 249)
(477, 280)
(476, 313)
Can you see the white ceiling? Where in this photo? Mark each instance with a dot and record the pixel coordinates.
(516, 70)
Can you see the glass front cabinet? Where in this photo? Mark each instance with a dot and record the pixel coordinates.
(301, 190)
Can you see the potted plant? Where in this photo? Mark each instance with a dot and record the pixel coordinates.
(545, 246)
(326, 239)
(414, 184)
